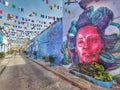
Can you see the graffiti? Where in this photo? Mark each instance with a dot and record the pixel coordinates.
(88, 44)
(64, 51)
(87, 41)
(83, 3)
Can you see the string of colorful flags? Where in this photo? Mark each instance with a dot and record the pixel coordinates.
(17, 28)
(19, 8)
(21, 25)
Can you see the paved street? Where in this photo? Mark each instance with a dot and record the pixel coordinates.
(23, 74)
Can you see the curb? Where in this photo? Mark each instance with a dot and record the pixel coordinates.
(60, 75)
(81, 83)
(2, 68)
(3, 65)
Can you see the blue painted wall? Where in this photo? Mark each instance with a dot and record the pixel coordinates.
(49, 42)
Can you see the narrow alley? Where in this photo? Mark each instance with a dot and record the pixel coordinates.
(59, 45)
(24, 74)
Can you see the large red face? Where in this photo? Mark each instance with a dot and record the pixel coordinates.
(88, 44)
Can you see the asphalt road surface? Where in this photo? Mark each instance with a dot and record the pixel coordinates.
(23, 74)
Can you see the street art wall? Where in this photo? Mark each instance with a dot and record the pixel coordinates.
(92, 33)
(48, 42)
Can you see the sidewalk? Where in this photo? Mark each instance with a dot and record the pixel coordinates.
(63, 73)
(4, 62)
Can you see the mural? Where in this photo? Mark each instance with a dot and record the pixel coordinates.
(87, 41)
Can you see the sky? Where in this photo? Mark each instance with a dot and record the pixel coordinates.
(38, 11)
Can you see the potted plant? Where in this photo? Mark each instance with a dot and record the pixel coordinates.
(95, 73)
(2, 54)
(25, 52)
(45, 58)
(35, 54)
(52, 60)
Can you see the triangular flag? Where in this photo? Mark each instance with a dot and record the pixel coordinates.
(54, 18)
(68, 11)
(34, 13)
(0, 22)
(50, 7)
(30, 15)
(22, 18)
(54, 5)
(46, 1)
(22, 9)
(0, 11)
(0, 17)
(16, 17)
(13, 6)
(6, 3)
(15, 21)
(58, 7)
(65, 10)
(9, 17)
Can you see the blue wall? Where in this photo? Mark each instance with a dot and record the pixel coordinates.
(49, 42)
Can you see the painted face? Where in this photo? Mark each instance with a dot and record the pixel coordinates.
(88, 44)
